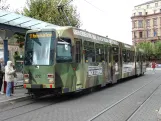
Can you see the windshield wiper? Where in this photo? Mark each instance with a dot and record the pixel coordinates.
(38, 42)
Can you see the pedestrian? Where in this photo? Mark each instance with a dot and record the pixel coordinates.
(1, 78)
(153, 66)
(9, 77)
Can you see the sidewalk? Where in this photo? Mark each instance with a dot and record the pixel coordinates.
(19, 93)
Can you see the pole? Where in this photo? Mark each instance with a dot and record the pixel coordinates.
(67, 18)
(61, 7)
(5, 46)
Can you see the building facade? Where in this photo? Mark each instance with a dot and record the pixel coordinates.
(146, 22)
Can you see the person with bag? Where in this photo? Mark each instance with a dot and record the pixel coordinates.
(9, 77)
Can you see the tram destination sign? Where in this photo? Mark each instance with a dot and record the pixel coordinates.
(39, 35)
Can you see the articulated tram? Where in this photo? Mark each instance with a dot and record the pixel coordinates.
(67, 59)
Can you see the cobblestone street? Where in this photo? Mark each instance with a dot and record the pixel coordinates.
(136, 99)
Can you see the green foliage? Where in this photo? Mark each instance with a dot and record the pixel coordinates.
(46, 10)
(17, 57)
(20, 39)
(152, 50)
(18, 61)
(157, 49)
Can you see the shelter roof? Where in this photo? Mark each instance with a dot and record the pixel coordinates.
(17, 20)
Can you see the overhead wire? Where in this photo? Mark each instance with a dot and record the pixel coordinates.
(95, 7)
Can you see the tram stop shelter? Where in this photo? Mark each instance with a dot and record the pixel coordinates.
(12, 23)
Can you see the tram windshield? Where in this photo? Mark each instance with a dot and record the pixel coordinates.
(39, 48)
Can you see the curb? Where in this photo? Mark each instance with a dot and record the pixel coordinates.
(12, 100)
(150, 69)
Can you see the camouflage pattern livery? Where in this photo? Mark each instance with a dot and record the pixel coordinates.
(85, 70)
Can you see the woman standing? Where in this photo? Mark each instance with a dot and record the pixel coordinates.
(154, 66)
(9, 77)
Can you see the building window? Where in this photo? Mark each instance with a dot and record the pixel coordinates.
(140, 13)
(135, 24)
(156, 4)
(155, 22)
(147, 22)
(154, 11)
(134, 35)
(140, 24)
(147, 6)
(140, 34)
(148, 33)
(155, 32)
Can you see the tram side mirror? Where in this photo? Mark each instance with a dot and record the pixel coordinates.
(99, 51)
(66, 47)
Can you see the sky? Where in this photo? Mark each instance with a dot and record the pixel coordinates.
(110, 18)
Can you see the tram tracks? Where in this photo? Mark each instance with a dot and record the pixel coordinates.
(20, 112)
(121, 100)
(58, 100)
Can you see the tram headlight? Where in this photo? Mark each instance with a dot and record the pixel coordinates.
(51, 81)
(26, 80)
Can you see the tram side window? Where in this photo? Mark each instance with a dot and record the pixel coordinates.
(99, 52)
(64, 50)
(124, 56)
(106, 53)
(138, 57)
(89, 51)
(128, 55)
(110, 54)
(116, 54)
(78, 50)
(132, 56)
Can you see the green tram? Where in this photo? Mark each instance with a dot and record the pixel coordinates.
(67, 59)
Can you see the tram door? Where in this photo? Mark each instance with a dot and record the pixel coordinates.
(110, 64)
(107, 57)
(115, 64)
(78, 85)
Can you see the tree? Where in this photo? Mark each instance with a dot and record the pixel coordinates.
(46, 10)
(157, 50)
(152, 50)
(3, 5)
(20, 39)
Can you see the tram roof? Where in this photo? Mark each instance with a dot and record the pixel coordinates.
(17, 20)
(99, 38)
